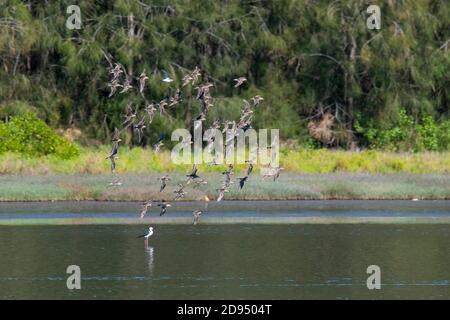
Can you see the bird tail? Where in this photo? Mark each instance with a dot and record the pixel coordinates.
(141, 236)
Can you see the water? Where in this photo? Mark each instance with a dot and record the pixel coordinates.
(220, 261)
(275, 212)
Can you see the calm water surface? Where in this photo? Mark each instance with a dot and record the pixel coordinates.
(225, 261)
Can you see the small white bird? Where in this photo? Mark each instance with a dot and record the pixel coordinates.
(196, 214)
(163, 181)
(166, 77)
(180, 193)
(256, 100)
(148, 235)
(239, 81)
(127, 84)
(187, 79)
(147, 204)
(142, 78)
(115, 183)
(150, 109)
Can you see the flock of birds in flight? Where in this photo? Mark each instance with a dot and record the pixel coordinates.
(122, 82)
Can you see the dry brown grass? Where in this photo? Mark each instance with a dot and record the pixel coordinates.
(321, 130)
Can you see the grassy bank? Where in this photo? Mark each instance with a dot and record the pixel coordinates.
(137, 187)
(310, 174)
(144, 161)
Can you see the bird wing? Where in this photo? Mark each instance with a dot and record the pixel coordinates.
(114, 151)
(161, 138)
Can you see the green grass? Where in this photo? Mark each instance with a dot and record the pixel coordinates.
(144, 161)
(288, 186)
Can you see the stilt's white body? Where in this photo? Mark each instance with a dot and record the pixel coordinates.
(149, 234)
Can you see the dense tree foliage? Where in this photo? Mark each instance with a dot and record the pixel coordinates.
(312, 61)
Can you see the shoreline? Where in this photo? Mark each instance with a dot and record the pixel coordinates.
(229, 212)
(223, 221)
(226, 200)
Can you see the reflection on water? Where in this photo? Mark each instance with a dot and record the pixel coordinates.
(226, 261)
(149, 251)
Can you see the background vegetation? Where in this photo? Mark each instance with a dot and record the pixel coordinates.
(30, 136)
(315, 62)
(144, 161)
(138, 187)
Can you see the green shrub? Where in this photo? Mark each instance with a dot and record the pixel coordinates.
(428, 135)
(399, 137)
(31, 136)
(444, 136)
(406, 134)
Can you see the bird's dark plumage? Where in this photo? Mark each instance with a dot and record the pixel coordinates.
(242, 181)
(249, 169)
(161, 137)
(194, 172)
(163, 206)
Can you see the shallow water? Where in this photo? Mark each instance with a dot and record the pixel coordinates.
(225, 212)
(225, 261)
